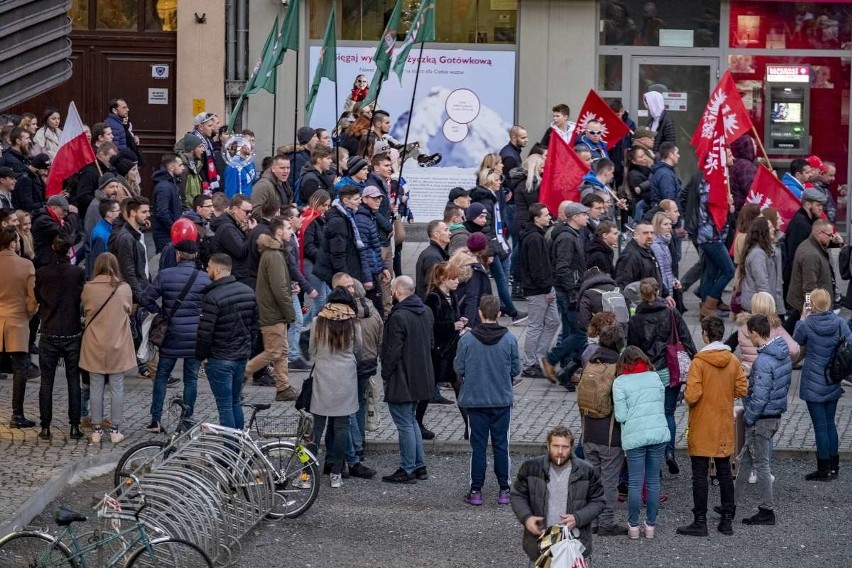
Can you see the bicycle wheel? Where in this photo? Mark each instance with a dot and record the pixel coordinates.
(140, 454)
(298, 483)
(29, 549)
(169, 553)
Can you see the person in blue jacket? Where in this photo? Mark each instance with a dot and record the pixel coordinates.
(798, 175)
(664, 181)
(166, 205)
(819, 332)
(768, 384)
(109, 211)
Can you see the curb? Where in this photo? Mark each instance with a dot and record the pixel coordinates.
(52, 489)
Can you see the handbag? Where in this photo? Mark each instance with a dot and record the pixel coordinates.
(737, 300)
(373, 415)
(303, 401)
(560, 548)
(398, 231)
(677, 358)
(160, 323)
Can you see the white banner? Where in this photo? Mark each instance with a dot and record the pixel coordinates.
(464, 107)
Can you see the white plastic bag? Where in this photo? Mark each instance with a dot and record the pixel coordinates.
(568, 553)
(147, 350)
(374, 394)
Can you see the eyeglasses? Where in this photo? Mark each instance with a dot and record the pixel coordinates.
(827, 234)
(244, 210)
(595, 132)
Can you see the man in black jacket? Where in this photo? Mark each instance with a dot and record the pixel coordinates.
(47, 223)
(407, 375)
(799, 230)
(537, 280)
(29, 191)
(226, 334)
(88, 179)
(543, 477)
(569, 265)
(435, 253)
(342, 246)
(313, 176)
(381, 169)
(129, 246)
(637, 261)
(230, 236)
(58, 289)
(510, 154)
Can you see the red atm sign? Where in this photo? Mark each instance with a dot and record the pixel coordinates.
(788, 74)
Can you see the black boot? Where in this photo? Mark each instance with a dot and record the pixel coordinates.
(835, 466)
(564, 376)
(823, 472)
(725, 523)
(75, 433)
(697, 528)
(45, 433)
(762, 517)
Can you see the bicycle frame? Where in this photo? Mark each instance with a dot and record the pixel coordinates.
(79, 552)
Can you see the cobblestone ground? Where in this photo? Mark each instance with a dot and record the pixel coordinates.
(27, 463)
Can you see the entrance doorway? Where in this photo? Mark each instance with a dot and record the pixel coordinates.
(689, 81)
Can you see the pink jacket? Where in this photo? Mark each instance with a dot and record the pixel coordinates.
(749, 351)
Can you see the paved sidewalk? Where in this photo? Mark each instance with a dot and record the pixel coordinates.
(31, 469)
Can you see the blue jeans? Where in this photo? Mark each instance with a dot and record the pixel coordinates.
(640, 210)
(493, 421)
(718, 270)
(226, 382)
(294, 329)
(190, 384)
(500, 271)
(573, 337)
(322, 293)
(643, 463)
(669, 407)
(411, 454)
(825, 430)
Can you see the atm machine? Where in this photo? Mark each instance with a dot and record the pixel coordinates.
(787, 111)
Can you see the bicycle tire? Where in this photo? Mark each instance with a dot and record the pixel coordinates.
(129, 461)
(284, 458)
(31, 549)
(169, 553)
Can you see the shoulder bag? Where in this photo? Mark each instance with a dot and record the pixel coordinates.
(160, 323)
(676, 356)
(97, 313)
(303, 401)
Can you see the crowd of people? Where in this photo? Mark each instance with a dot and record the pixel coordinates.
(295, 265)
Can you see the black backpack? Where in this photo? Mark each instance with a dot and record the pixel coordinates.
(840, 367)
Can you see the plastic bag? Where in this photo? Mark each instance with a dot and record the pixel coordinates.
(560, 549)
(374, 416)
(147, 350)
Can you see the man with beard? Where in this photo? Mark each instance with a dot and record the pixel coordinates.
(16, 156)
(557, 489)
(511, 152)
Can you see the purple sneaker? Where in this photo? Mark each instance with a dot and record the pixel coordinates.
(504, 498)
(474, 498)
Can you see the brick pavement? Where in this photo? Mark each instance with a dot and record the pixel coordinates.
(27, 463)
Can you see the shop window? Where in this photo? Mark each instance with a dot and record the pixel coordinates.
(117, 14)
(161, 15)
(79, 14)
(762, 24)
(456, 21)
(609, 73)
(665, 23)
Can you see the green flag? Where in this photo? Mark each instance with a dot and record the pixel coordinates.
(287, 39)
(266, 55)
(422, 30)
(327, 64)
(384, 52)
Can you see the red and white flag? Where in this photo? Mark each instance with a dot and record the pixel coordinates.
(612, 127)
(563, 172)
(74, 152)
(768, 191)
(715, 167)
(724, 103)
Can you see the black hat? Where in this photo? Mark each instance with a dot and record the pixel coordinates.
(191, 142)
(474, 211)
(187, 246)
(7, 172)
(457, 192)
(304, 134)
(123, 166)
(40, 161)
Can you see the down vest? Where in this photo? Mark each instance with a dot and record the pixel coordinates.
(183, 323)
(638, 401)
(228, 321)
(769, 382)
(819, 334)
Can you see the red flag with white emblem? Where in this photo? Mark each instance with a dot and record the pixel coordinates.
(716, 174)
(595, 108)
(768, 191)
(563, 172)
(724, 103)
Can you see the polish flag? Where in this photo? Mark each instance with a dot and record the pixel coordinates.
(74, 152)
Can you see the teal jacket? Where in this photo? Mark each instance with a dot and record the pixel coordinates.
(638, 402)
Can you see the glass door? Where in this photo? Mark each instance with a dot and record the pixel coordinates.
(689, 81)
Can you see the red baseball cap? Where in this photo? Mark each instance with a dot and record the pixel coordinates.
(814, 162)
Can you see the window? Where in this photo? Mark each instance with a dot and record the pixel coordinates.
(79, 14)
(668, 23)
(760, 24)
(161, 15)
(456, 21)
(117, 14)
(609, 73)
(124, 15)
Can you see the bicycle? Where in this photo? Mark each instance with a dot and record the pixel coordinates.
(131, 548)
(296, 468)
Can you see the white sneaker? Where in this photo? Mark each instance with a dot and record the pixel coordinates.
(648, 530)
(752, 477)
(96, 436)
(336, 480)
(115, 436)
(632, 532)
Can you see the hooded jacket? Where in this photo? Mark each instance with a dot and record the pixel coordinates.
(166, 205)
(311, 180)
(636, 263)
(407, 352)
(639, 176)
(472, 286)
(269, 189)
(638, 402)
(794, 185)
(600, 254)
(231, 240)
(650, 329)
(769, 382)
(183, 318)
(819, 335)
(743, 170)
(535, 268)
(459, 234)
(487, 360)
(659, 120)
(591, 301)
(664, 183)
(715, 380)
(272, 288)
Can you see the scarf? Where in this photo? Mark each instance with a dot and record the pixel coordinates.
(351, 217)
(498, 226)
(358, 95)
(337, 312)
(72, 252)
(637, 367)
(212, 173)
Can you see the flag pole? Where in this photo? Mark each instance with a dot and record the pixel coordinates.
(274, 108)
(760, 145)
(335, 116)
(296, 110)
(410, 115)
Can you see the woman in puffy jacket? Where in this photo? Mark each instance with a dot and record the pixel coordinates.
(758, 272)
(762, 304)
(650, 330)
(637, 395)
(819, 332)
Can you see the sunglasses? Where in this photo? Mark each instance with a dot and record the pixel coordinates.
(594, 132)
